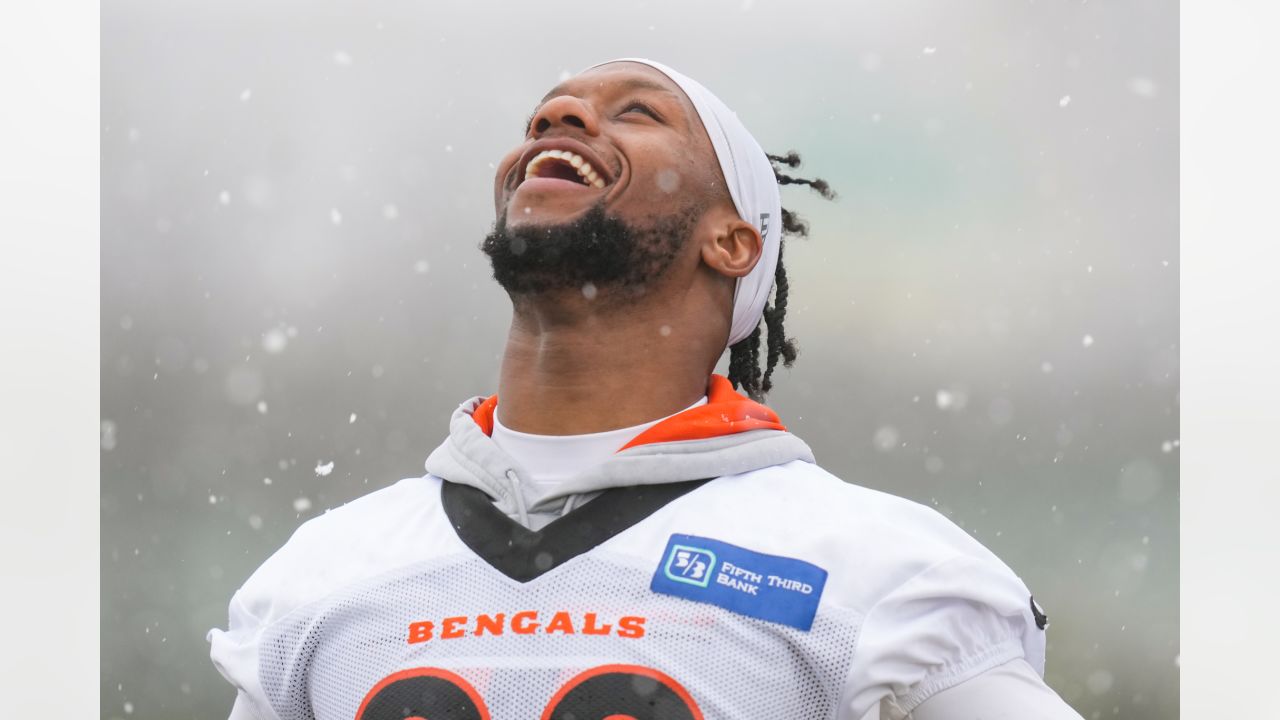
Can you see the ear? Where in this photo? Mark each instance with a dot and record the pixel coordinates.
(734, 248)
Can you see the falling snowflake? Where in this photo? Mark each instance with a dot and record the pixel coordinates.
(1064, 101)
(274, 341)
(335, 216)
(350, 420)
(1099, 682)
(342, 58)
(1143, 87)
(1087, 341)
(668, 180)
(108, 435)
(302, 504)
(886, 438)
(245, 95)
(324, 469)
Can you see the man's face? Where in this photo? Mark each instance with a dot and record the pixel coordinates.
(614, 161)
(634, 127)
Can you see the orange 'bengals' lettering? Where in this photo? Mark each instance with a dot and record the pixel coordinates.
(560, 623)
(526, 622)
(451, 629)
(590, 628)
(631, 626)
(491, 624)
(420, 631)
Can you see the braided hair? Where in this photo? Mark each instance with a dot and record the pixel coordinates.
(744, 355)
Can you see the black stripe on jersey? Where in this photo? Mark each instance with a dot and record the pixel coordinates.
(1042, 620)
(523, 554)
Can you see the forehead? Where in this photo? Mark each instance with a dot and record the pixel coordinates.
(621, 77)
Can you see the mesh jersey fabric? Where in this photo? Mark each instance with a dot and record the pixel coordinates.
(912, 605)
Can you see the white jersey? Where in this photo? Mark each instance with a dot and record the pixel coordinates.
(776, 592)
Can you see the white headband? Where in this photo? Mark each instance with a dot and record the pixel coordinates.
(752, 185)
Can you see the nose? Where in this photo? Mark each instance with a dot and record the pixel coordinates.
(565, 110)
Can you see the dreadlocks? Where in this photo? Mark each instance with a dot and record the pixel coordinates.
(744, 355)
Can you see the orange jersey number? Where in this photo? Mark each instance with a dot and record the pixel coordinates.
(608, 692)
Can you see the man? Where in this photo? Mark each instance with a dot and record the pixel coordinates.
(623, 535)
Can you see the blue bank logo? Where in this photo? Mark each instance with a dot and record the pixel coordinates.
(690, 565)
(775, 588)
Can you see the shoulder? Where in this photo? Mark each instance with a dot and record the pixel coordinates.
(387, 529)
(937, 606)
(395, 526)
(870, 542)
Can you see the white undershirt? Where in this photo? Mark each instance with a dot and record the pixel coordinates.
(549, 460)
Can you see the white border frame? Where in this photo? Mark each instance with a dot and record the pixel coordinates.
(1231, 357)
(49, 378)
(49, 382)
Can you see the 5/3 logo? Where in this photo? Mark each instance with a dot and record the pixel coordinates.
(607, 692)
(690, 565)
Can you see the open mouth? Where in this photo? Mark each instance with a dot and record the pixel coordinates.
(563, 165)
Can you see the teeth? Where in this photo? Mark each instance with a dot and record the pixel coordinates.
(585, 171)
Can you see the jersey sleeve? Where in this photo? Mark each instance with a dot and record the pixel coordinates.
(1014, 689)
(234, 652)
(947, 624)
(386, 529)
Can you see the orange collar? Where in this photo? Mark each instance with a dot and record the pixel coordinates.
(727, 412)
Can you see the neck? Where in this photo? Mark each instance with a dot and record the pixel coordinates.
(579, 367)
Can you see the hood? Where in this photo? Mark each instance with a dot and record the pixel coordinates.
(730, 434)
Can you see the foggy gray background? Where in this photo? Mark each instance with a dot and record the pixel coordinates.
(293, 194)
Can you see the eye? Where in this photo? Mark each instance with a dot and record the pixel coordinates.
(637, 105)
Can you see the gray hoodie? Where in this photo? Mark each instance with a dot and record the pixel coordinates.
(730, 434)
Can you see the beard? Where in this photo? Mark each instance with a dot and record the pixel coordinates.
(594, 251)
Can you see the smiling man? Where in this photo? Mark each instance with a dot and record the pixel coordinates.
(623, 535)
